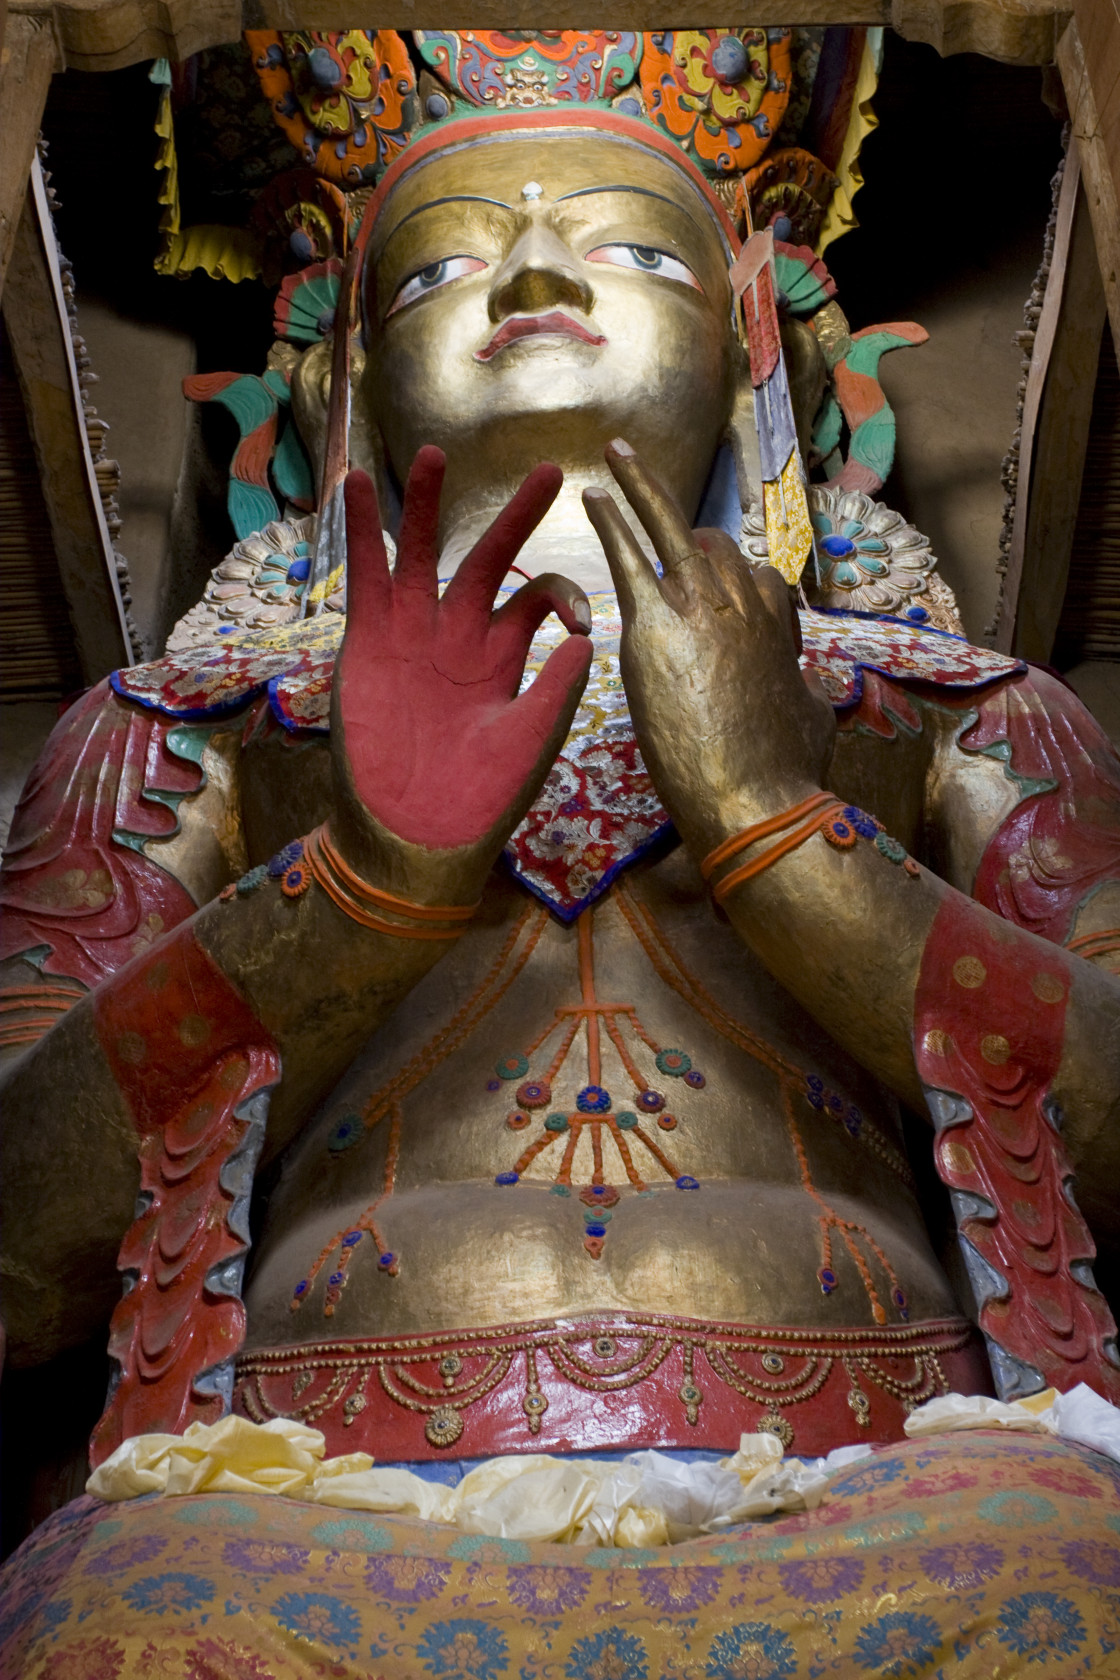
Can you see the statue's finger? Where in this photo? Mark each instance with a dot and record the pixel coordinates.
(543, 715)
(476, 583)
(367, 565)
(634, 578)
(516, 623)
(777, 598)
(417, 566)
(659, 513)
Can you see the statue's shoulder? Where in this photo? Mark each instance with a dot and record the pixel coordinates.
(292, 664)
(841, 646)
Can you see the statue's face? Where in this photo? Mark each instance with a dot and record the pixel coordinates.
(532, 298)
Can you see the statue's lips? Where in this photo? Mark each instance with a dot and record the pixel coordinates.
(556, 325)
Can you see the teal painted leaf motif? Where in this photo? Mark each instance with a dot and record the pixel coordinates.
(866, 353)
(827, 427)
(306, 305)
(873, 442)
(291, 468)
(250, 507)
(805, 290)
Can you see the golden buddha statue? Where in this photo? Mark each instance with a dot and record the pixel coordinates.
(599, 1148)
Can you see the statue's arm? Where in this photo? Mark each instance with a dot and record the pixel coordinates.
(435, 759)
(1024, 816)
(734, 735)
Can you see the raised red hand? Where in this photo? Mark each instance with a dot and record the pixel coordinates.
(439, 749)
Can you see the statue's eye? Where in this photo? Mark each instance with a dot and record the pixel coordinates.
(431, 278)
(646, 260)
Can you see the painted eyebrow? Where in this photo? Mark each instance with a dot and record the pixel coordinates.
(647, 192)
(433, 203)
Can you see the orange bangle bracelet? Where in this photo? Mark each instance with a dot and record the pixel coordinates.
(823, 812)
(403, 906)
(761, 830)
(354, 897)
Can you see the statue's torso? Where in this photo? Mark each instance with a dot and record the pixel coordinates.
(804, 1212)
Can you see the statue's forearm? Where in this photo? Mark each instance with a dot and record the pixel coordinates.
(292, 979)
(848, 933)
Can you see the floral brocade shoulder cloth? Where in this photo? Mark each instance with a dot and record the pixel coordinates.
(598, 810)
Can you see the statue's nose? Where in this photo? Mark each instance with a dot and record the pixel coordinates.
(541, 272)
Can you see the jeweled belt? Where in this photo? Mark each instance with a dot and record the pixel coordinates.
(613, 1381)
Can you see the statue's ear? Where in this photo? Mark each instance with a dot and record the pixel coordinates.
(742, 434)
(311, 389)
(807, 372)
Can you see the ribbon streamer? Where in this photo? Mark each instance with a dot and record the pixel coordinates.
(789, 533)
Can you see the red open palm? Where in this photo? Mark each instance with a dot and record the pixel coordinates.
(441, 749)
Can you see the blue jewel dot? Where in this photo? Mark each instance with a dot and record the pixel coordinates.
(336, 1278)
(837, 547)
(345, 1134)
(386, 1260)
(507, 1178)
(324, 325)
(814, 1081)
(695, 1079)
(285, 858)
(325, 71)
(225, 629)
(300, 245)
(437, 106)
(593, 1099)
(815, 1100)
(835, 1103)
(351, 1238)
(596, 1229)
(299, 571)
(687, 1183)
(730, 59)
(783, 228)
(300, 1288)
(493, 1084)
(917, 614)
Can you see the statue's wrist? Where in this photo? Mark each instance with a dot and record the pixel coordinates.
(387, 863)
(740, 810)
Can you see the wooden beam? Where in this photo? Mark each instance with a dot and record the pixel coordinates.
(28, 59)
(109, 34)
(1090, 70)
(1050, 470)
(38, 327)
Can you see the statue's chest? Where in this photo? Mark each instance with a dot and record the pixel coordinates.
(640, 1049)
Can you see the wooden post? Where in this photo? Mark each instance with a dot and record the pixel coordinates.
(28, 59)
(38, 328)
(1055, 430)
(1089, 61)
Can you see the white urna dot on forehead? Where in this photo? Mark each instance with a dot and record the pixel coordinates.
(532, 190)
